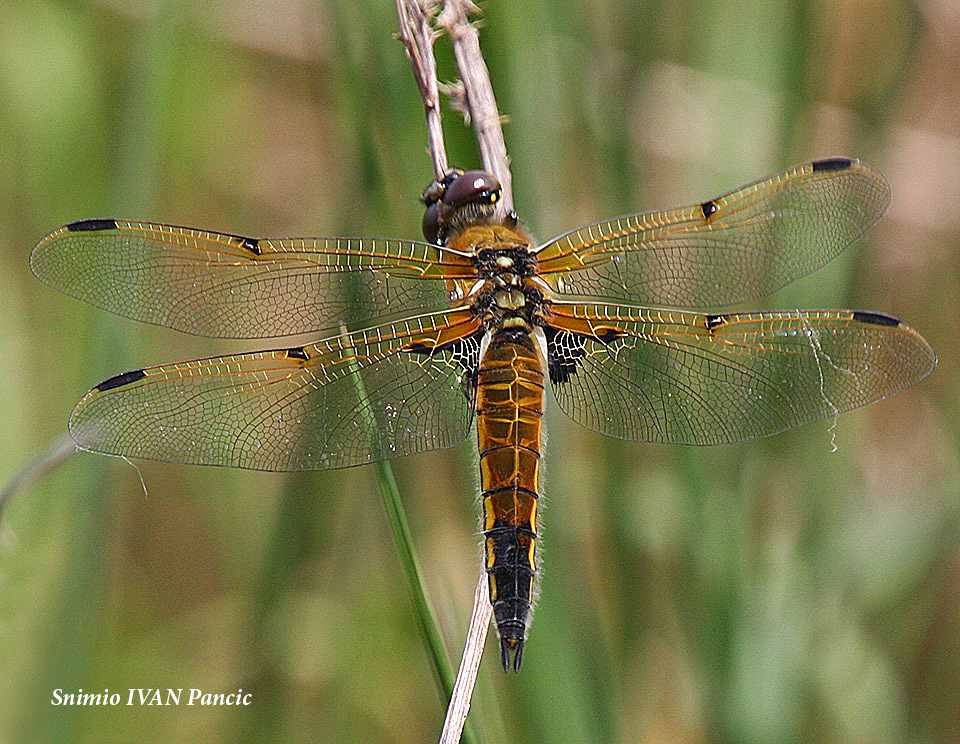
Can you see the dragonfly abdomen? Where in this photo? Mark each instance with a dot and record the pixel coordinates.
(509, 412)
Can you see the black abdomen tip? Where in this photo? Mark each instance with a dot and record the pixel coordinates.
(882, 319)
(510, 646)
(120, 380)
(92, 225)
(831, 164)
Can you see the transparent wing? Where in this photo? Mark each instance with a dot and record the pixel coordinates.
(212, 284)
(689, 378)
(740, 246)
(353, 398)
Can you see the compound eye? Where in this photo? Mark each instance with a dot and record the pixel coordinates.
(434, 191)
(472, 186)
(431, 222)
(452, 175)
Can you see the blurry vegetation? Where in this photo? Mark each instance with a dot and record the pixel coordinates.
(770, 591)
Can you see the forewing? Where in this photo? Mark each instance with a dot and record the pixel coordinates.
(345, 400)
(689, 378)
(212, 284)
(739, 246)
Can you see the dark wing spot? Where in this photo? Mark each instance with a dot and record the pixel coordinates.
(831, 164)
(875, 318)
(565, 350)
(709, 208)
(419, 347)
(464, 352)
(464, 345)
(120, 380)
(251, 244)
(608, 335)
(715, 320)
(297, 352)
(92, 225)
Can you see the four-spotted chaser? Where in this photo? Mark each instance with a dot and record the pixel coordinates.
(416, 339)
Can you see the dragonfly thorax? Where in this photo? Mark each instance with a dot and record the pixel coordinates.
(503, 305)
(506, 266)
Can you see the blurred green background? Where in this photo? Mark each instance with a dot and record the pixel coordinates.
(764, 592)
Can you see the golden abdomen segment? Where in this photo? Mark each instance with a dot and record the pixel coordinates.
(509, 413)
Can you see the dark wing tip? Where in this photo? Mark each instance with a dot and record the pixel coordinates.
(92, 225)
(508, 647)
(831, 164)
(881, 319)
(120, 380)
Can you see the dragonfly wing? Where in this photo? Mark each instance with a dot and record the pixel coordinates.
(213, 284)
(739, 246)
(348, 399)
(690, 378)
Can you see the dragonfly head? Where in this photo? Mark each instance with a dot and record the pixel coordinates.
(456, 201)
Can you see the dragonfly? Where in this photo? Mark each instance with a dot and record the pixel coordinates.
(415, 340)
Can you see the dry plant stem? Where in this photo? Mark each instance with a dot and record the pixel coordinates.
(482, 110)
(417, 35)
(481, 103)
(469, 665)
